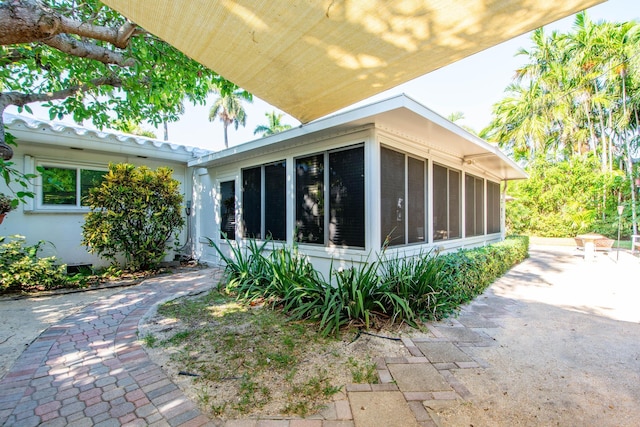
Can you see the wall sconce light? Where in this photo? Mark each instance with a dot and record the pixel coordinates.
(187, 210)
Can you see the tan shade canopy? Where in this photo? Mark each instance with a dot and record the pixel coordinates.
(312, 57)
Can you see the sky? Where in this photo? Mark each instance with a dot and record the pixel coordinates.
(470, 86)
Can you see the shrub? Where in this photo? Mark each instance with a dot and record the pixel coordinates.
(427, 286)
(22, 270)
(133, 214)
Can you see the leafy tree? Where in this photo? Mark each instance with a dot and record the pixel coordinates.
(86, 60)
(577, 95)
(228, 107)
(562, 199)
(128, 126)
(274, 125)
(133, 213)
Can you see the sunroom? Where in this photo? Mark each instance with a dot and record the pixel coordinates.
(392, 176)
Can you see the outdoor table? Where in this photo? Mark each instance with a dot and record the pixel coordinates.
(589, 241)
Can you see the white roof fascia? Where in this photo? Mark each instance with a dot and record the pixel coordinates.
(50, 133)
(354, 116)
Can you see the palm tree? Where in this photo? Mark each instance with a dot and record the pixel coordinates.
(274, 125)
(228, 108)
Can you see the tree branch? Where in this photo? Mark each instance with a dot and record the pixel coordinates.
(20, 99)
(29, 21)
(81, 49)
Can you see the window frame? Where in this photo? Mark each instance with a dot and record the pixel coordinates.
(448, 187)
(222, 215)
(263, 201)
(78, 167)
(326, 197)
(479, 206)
(494, 208)
(408, 204)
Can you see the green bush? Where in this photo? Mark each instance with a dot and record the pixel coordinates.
(21, 270)
(562, 199)
(133, 214)
(427, 286)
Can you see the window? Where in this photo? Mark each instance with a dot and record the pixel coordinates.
(346, 200)
(416, 184)
(68, 186)
(446, 203)
(402, 198)
(392, 197)
(310, 199)
(338, 178)
(252, 202)
(474, 205)
(270, 200)
(493, 207)
(228, 210)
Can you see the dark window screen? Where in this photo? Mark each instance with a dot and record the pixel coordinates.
(416, 200)
(275, 201)
(479, 206)
(493, 207)
(346, 203)
(392, 197)
(251, 202)
(228, 210)
(310, 199)
(454, 204)
(440, 205)
(474, 205)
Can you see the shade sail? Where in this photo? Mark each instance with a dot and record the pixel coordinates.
(313, 57)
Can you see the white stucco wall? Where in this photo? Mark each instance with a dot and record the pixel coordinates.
(63, 228)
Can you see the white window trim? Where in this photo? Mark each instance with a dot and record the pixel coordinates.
(78, 166)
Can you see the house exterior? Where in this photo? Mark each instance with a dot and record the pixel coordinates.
(82, 155)
(391, 175)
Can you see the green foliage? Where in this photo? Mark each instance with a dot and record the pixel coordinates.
(149, 82)
(576, 93)
(562, 199)
(10, 175)
(21, 270)
(395, 290)
(133, 213)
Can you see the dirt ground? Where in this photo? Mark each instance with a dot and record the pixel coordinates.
(569, 355)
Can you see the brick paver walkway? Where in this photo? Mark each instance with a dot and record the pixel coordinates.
(90, 369)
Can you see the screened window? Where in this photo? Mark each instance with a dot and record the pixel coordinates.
(252, 202)
(346, 201)
(416, 184)
(336, 177)
(228, 210)
(67, 186)
(402, 198)
(264, 207)
(493, 207)
(474, 205)
(310, 199)
(392, 197)
(446, 203)
(275, 201)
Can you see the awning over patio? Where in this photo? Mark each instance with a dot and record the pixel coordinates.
(311, 58)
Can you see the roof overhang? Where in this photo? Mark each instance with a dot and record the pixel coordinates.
(43, 132)
(312, 58)
(399, 115)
